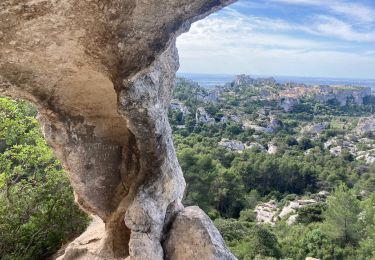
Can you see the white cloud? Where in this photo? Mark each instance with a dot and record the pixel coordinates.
(231, 42)
(332, 27)
(240, 32)
(355, 11)
(234, 43)
(322, 25)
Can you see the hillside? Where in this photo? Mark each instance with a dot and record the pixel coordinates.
(257, 151)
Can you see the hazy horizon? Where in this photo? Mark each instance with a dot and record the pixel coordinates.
(269, 75)
(210, 80)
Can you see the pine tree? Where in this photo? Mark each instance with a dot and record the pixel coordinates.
(342, 217)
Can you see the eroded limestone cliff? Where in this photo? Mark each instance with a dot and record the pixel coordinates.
(101, 74)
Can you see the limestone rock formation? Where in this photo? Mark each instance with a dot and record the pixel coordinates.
(365, 125)
(203, 117)
(288, 103)
(314, 128)
(86, 245)
(246, 80)
(233, 145)
(242, 80)
(270, 213)
(292, 206)
(342, 94)
(272, 148)
(266, 212)
(193, 236)
(100, 74)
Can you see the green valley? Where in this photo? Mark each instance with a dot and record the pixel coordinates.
(286, 171)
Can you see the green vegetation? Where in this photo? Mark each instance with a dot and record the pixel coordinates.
(342, 221)
(270, 155)
(248, 240)
(37, 209)
(228, 183)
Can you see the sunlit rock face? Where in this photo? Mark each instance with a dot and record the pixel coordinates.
(200, 239)
(101, 74)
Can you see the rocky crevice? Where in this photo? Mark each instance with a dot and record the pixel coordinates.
(101, 74)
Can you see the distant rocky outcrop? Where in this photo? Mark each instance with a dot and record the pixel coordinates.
(291, 208)
(209, 96)
(336, 146)
(367, 156)
(232, 145)
(246, 80)
(266, 213)
(230, 118)
(266, 130)
(365, 125)
(177, 105)
(266, 81)
(256, 146)
(201, 116)
(239, 146)
(272, 148)
(323, 94)
(272, 124)
(343, 94)
(288, 103)
(242, 80)
(314, 129)
(270, 212)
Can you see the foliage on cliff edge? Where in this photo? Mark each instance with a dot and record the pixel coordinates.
(37, 209)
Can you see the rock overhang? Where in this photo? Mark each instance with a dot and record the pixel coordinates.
(101, 75)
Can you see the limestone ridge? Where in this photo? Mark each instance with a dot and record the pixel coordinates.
(101, 75)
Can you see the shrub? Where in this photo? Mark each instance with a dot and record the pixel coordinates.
(37, 209)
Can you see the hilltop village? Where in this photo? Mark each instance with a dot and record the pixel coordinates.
(342, 114)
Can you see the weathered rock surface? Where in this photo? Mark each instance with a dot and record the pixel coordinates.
(100, 74)
(246, 80)
(288, 103)
(266, 212)
(86, 246)
(193, 236)
(272, 148)
(365, 125)
(179, 106)
(342, 94)
(292, 207)
(270, 213)
(314, 129)
(232, 144)
(351, 144)
(203, 117)
(242, 80)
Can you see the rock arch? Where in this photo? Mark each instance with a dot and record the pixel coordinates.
(101, 74)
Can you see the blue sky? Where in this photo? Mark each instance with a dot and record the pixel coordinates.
(313, 38)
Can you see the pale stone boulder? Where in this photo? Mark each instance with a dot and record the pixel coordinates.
(266, 212)
(86, 245)
(194, 236)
